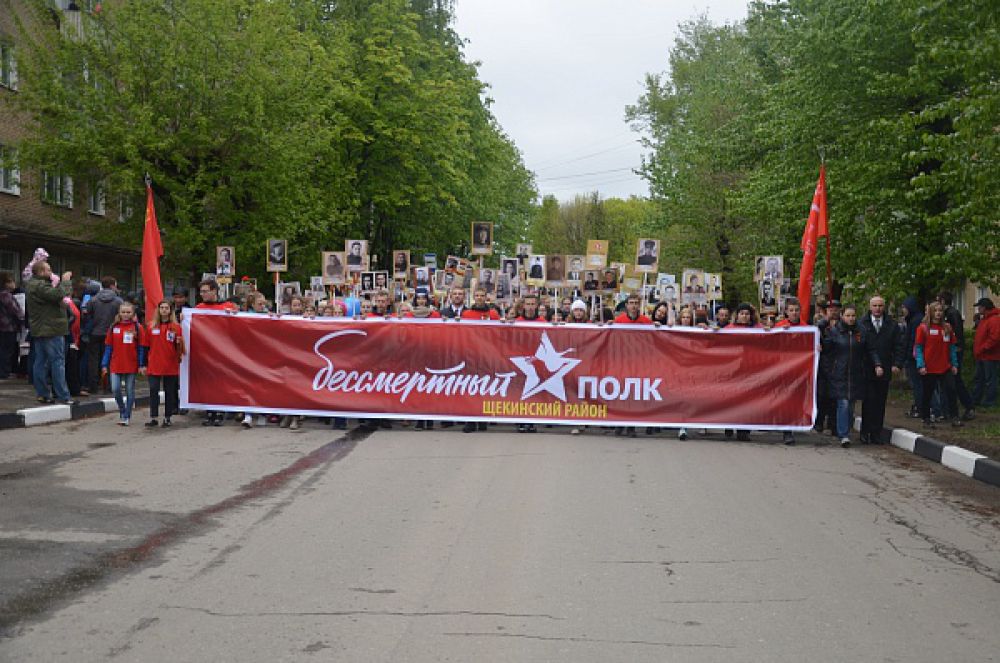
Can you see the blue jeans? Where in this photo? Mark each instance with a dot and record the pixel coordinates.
(845, 417)
(124, 408)
(50, 364)
(984, 386)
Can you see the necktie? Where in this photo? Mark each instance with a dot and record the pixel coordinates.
(878, 325)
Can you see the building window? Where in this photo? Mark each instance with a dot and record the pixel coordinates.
(8, 67)
(9, 262)
(10, 176)
(126, 207)
(96, 198)
(57, 189)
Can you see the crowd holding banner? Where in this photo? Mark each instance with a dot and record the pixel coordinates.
(528, 314)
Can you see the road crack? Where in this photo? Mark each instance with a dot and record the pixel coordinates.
(548, 638)
(366, 613)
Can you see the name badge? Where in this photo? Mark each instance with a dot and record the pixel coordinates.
(171, 336)
(156, 332)
(934, 332)
(127, 338)
(116, 331)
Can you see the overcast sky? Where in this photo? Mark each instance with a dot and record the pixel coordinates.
(562, 73)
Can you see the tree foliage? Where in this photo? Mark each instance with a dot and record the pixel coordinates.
(303, 119)
(899, 96)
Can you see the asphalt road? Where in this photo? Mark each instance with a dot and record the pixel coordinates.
(268, 545)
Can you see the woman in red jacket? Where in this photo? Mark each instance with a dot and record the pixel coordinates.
(124, 356)
(166, 347)
(936, 352)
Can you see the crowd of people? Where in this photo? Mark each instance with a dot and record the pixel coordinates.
(87, 336)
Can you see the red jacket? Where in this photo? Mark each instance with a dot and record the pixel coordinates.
(164, 349)
(987, 343)
(623, 319)
(473, 314)
(124, 348)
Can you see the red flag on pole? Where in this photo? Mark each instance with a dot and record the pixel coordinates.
(152, 251)
(816, 227)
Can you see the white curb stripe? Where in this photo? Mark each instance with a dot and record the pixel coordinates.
(904, 439)
(109, 405)
(960, 459)
(46, 414)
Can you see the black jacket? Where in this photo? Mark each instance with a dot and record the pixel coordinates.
(845, 348)
(887, 348)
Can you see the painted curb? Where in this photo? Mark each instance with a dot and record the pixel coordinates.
(48, 414)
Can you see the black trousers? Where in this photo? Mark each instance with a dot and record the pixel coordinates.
(949, 399)
(170, 384)
(95, 351)
(8, 353)
(873, 408)
(72, 370)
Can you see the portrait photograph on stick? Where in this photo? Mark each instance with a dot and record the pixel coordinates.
(647, 256)
(574, 270)
(770, 268)
(333, 267)
(536, 269)
(367, 282)
(357, 251)
(713, 286)
(400, 264)
(555, 270)
(225, 261)
(277, 255)
(693, 282)
(597, 253)
(482, 238)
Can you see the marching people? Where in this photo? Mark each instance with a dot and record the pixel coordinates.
(885, 358)
(631, 316)
(846, 346)
(746, 317)
(986, 349)
(912, 317)
(529, 313)
(793, 318)
(456, 303)
(124, 357)
(101, 310)
(479, 310)
(826, 404)
(208, 290)
(954, 318)
(422, 307)
(661, 314)
(937, 362)
(11, 321)
(166, 347)
(49, 325)
(722, 317)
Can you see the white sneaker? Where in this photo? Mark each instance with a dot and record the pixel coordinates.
(294, 425)
(125, 422)
(122, 421)
(845, 442)
(247, 421)
(683, 434)
(575, 431)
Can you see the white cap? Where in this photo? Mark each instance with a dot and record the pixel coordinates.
(578, 304)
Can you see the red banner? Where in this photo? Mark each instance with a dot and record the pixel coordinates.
(488, 371)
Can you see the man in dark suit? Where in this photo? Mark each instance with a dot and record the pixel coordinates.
(885, 354)
(647, 256)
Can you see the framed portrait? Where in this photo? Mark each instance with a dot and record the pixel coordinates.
(400, 264)
(632, 281)
(225, 260)
(713, 286)
(367, 282)
(357, 251)
(504, 290)
(620, 268)
(287, 290)
(536, 269)
(451, 263)
(333, 267)
(444, 280)
(609, 279)
(382, 281)
(555, 270)
(768, 293)
(591, 280)
(421, 277)
(482, 238)
(769, 267)
(277, 255)
(597, 253)
(663, 279)
(431, 260)
(647, 255)
(316, 284)
(693, 286)
(487, 279)
(575, 265)
(668, 293)
(509, 267)
(522, 252)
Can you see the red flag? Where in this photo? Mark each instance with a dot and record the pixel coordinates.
(816, 227)
(152, 251)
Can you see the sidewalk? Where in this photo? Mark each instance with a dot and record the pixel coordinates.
(17, 395)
